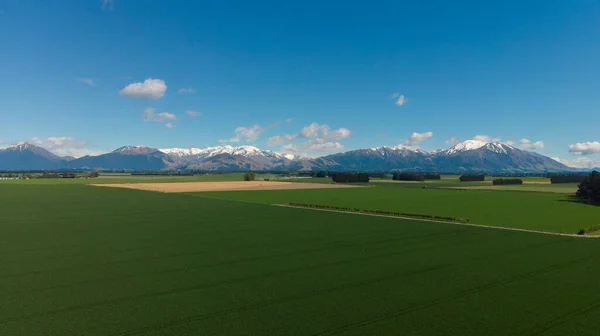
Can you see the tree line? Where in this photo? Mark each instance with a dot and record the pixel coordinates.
(349, 177)
(507, 181)
(589, 188)
(399, 176)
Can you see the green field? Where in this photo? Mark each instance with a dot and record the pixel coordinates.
(83, 260)
(526, 210)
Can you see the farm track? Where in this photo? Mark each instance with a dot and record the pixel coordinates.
(443, 222)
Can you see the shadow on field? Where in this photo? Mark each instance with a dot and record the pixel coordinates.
(575, 199)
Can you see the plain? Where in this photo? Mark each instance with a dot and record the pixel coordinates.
(78, 259)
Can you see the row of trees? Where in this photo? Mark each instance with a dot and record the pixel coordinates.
(415, 176)
(589, 189)
(507, 181)
(472, 178)
(349, 177)
(567, 179)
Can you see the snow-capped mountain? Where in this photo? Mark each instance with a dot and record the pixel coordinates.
(25, 156)
(227, 149)
(469, 145)
(467, 156)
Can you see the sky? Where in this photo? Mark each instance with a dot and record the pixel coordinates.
(306, 77)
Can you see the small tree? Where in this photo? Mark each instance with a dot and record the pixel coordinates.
(321, 174)
(249, 176)
(94, 174)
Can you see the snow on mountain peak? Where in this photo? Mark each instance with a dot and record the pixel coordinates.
(468, 145)
(217, 150)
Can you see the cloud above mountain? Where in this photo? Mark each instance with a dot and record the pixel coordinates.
(64, 146)
(528, 144)
(249, 134)
(416, 138)
(486, 138)
(585, 148)
(150, 89)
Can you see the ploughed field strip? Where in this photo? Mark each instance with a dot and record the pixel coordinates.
(105, 261)
(223, 186)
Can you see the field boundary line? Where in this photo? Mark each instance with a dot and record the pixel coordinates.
(443, 222)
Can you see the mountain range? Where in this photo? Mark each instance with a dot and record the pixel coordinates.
(468, 156)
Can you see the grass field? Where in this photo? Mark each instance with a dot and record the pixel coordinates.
(533, 211)
(79, 260)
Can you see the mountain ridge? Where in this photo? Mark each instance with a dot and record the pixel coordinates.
(467, 156)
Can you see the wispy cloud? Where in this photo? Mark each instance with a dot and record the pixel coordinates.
(399, 99)
(585, 148)
(249, 134)
(150, 89)
(64, 146)
(289, 121)
(453, 141)
(279, 139)
(580, 162)
(87, 81)
(415, 139)
(528, 144)
(170, 125)
(317, 145)
(186, 90)
(486, 138)
(108, 4)
(151, 115)
(193, 113)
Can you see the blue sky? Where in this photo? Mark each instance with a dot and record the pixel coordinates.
(315, 77)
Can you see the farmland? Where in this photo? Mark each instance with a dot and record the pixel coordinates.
(526, 210)
(83, 260)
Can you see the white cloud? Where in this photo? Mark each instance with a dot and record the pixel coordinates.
(585, 148)
(316, 130)
(453, 141)
(312, 146)
(279, 139)
(416, 138)
(64, 146)
(339, 134)
(320, 138)
(87, 81)
(151, 115)
(526, 143)
(273, 125)
(486, 138)
(170, 125)
(581, 162)
(148, 89)
(193, 113)
(249, 134)
(165, 116)
(401, 101)
(289, 121)
(186, 90)
(512, 143)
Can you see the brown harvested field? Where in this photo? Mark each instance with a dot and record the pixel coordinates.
(174, 187)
